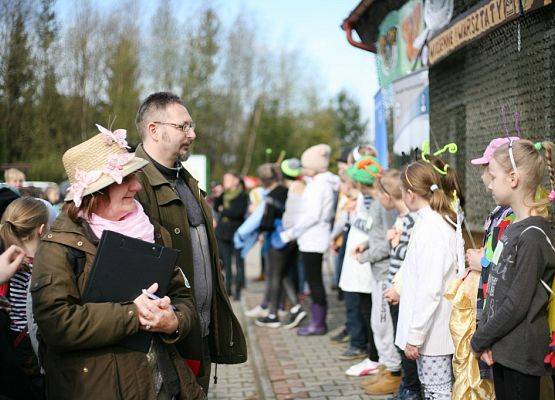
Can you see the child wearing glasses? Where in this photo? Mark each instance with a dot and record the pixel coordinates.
(513, 334)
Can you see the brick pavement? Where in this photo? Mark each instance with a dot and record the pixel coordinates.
(283, 365)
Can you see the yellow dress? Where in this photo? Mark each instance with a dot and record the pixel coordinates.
(468, 385)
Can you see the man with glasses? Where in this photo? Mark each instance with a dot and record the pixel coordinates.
(171, 198)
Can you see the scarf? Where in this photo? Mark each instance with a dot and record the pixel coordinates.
(230, 195)
(135, 224)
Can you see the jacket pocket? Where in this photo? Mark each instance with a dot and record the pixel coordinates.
(40, 282)
(86, 375)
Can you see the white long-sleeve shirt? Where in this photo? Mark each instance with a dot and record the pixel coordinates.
(312, 229)
(429, 267)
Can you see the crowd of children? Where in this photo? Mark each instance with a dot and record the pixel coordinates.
(427, 318)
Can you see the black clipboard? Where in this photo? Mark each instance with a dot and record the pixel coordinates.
(122, 267)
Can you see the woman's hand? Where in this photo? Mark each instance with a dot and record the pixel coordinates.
(391, 296)
(474, 259)
(10, 262)
(412, 352)
(156, 315)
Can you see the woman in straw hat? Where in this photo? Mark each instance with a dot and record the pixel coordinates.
(79, 348)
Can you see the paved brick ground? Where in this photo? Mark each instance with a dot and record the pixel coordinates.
(283, 365)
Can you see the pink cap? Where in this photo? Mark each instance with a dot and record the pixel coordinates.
(492, 146)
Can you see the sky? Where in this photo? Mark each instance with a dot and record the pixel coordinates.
(313, 27)
(310, 26)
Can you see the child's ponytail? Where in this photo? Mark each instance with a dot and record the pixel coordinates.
(421, 178)
(21, 218)
(549, 149)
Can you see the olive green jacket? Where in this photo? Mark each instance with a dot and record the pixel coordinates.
(162, 204)
(80, 355)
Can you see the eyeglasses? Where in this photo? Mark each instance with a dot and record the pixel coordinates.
(185, 127)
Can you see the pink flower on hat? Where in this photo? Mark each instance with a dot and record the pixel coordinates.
(83, 180)
(115, 164)
(118, 136)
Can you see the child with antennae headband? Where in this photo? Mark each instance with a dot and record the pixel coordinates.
(430, 265)
(513, 334)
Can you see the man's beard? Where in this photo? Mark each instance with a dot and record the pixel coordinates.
(185, 156)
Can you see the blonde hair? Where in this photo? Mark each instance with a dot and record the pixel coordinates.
(13, 174)
(420, 177)
(21, 218)
(531, 164)
(390, 183)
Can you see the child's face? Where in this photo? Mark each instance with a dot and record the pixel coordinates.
(386, 200)
(501, 184)
(486, 177)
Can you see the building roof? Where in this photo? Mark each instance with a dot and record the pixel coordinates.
(367, 16)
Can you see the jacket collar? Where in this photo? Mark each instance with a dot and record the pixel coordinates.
(69, 233)
(155, 177)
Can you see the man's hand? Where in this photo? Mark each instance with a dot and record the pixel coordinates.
(10, 262)
(412, 352)
(391, 296)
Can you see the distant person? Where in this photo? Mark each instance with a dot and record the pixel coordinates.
(14, 178)
(53, 195)
(312, 230)
(231, 207)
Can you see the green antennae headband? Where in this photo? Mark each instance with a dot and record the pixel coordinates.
(450, 147)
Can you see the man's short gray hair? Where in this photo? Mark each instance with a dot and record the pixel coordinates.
(156, 101)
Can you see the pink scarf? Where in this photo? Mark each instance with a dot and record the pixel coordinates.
(135, 224)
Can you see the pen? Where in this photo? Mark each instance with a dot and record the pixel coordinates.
(152, 296)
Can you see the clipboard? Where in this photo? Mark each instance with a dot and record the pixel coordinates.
(122, 267)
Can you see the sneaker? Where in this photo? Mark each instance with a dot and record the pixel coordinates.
(387, 384)
(341, 337)
(363, 368)
(295, 318)
(271, 321)
(257, 312)
(352, 353)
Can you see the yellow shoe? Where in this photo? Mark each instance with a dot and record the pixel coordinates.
(387, 384)
(373, 378)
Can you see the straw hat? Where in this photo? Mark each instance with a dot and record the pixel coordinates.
(99, 162)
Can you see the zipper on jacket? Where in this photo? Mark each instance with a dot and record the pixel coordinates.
(216, 375)
(231, 343)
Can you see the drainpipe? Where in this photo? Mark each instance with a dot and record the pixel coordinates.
(349, 32)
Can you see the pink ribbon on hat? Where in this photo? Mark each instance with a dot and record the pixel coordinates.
(552, 195)
(115, 164)
(118, 136)
(83, 180)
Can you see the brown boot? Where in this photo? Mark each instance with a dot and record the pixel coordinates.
(387, 384)
(371, 379)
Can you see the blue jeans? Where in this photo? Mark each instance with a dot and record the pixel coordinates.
(358, 333)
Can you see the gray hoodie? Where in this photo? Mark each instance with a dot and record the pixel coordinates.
(379, 221)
